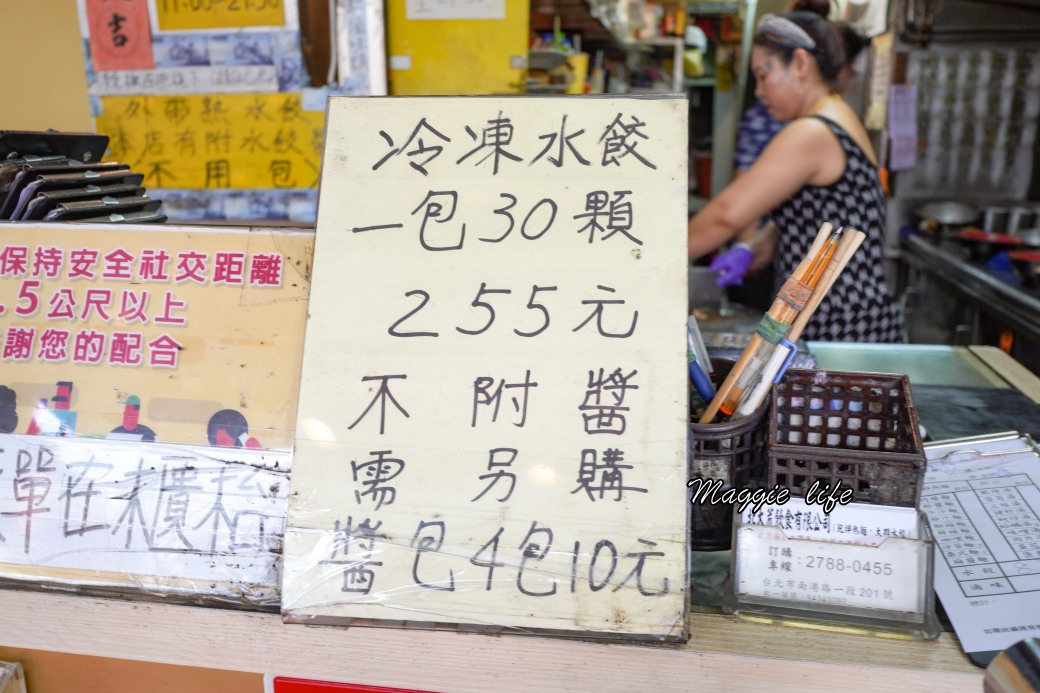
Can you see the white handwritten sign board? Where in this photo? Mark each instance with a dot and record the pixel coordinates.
(202, 522)
(492, 421)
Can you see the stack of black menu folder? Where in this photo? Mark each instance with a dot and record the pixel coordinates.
(52, 176)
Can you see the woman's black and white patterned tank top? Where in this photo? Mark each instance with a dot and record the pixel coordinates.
(860, 307)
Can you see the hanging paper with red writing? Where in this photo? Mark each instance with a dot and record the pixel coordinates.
(120, 35)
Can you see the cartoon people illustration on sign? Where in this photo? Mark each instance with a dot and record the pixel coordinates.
(131, 429)
(8, 413)
(60, 421)
(229, 429)
(226, 428)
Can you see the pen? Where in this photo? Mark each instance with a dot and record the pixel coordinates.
(696, 342)
(698, 377)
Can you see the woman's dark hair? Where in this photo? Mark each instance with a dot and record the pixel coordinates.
(854, 43)
(820, 7)
(829, 52)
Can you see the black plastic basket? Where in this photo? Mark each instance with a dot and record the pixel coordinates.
(859, 428)
(733, 452)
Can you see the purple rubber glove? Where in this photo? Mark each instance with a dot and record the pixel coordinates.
(731, 265)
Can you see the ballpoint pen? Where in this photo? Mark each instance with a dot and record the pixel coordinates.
(698, 377)
(773, 327)
(696, 342)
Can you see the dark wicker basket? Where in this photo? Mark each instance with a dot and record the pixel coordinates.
(735, 452)
(861, 428)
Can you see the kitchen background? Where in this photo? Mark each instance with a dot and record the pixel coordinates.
(949, 88)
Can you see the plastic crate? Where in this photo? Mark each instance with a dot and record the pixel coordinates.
(859, 428)
(732, 451)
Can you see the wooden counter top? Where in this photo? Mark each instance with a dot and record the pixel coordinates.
(723, 654)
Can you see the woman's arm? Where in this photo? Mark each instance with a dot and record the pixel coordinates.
(794, 157)
(763, 241)
(759, 237)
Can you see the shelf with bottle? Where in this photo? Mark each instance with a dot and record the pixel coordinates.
(556, 63)
(711, 8)
(662, 59)
(651, 22)
(590, 24)
(704, 81)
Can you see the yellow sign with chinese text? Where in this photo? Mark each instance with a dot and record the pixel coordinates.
(177, 15)
(238, 141)
(153, 333)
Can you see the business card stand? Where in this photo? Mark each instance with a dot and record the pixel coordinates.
(12, 678)
(883, 590)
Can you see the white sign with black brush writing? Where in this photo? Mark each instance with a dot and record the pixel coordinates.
(493, 414)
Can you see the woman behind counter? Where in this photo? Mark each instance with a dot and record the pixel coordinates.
(820, 167)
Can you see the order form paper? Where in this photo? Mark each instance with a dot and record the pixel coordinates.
(982, 497)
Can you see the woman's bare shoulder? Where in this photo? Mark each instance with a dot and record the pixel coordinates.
(799, 138)
(842, 114)
(808, 148)
(801, 132)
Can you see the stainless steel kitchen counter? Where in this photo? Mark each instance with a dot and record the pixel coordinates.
(924, 364)
(958, 391)
(1017, 309)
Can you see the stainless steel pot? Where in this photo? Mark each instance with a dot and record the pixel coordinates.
(937, 219)
(948, 213)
